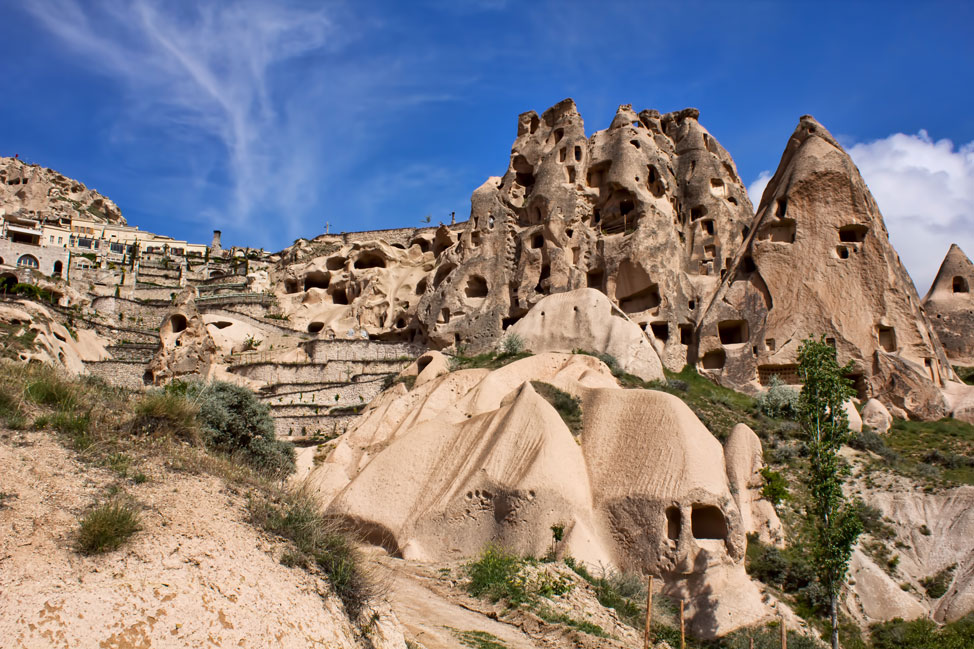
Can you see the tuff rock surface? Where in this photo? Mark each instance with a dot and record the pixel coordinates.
(46, 195)
(950, 306)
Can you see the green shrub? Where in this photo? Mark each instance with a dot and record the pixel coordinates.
(923, 634)
(873, 521)
(775, 487)
(767, 637)
(512, 345)
(498, 574)
(51, 389)
(867, 440)
(779, 400)
(319, 540)
(107, 527)
(938, 584)
(568, 407)
(235, 422)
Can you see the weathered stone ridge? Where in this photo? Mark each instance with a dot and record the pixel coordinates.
(46, 195)
(950, 306)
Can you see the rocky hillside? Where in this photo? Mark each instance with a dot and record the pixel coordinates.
(44, 194)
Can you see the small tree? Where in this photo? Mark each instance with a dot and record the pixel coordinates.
(836, 524)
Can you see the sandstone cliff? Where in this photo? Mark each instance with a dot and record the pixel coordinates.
(950, 306)
(46, 195)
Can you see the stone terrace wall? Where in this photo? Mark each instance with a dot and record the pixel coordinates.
(337, 371)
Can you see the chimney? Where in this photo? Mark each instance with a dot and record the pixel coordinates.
(215, 244)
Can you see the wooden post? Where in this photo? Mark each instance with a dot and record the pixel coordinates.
(683, 631)
(750, 642)
(784, 635)
(649, 612)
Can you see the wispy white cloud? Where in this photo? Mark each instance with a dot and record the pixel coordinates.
(925, 190)
(208, 71)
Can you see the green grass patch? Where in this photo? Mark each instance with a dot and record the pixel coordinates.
(498, 574)
(107, 527)
(556, 617)
(923, 634)
(567, 406)
(478, 639)
(318, 541)
(965, 374)
(488, 360)
(937, 585)
(934, 450)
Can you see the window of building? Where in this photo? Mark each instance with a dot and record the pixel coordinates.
(28, 261)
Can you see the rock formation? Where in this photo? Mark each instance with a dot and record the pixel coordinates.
(950, 306)
(650, 212)
(46, 195)
(187, 349)
(817, 261)
(585, 319)
(478, 456)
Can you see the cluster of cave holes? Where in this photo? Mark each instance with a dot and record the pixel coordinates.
(706, 522)
(960, 285)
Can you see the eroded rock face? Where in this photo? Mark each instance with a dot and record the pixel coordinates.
(47, 195)
(950, 306)
(188, 349)
(341, 290)
(645, 211)
(817, 261)
(744, 461)
(478, 456)
(585, 319)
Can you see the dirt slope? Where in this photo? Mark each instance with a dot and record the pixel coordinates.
(196, 575)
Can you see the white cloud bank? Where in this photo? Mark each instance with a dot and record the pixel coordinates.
(925, 190)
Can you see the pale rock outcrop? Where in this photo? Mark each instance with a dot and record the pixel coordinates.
(46, 195)
(478, 456)
(960, 400)
(873, 596)
(188, 350)
(427, 367)
(52, 342)
(744, 460)
(855, 420)
(950, 306)
(818, 216)
(876, 416)
(933, 531)
(585, 319)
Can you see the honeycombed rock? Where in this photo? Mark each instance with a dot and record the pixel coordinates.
(817, 261)
(950, 306)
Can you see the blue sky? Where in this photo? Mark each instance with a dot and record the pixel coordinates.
(267, 119)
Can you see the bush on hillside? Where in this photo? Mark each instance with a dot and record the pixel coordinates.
(779, 400)
(235, 422)
(107, 527)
